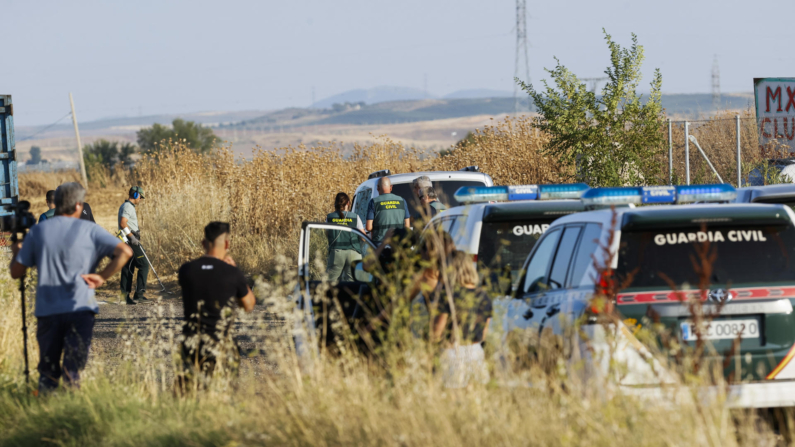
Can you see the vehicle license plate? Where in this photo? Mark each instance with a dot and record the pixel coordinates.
(722, 329)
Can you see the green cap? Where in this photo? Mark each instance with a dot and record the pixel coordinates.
(137, 189)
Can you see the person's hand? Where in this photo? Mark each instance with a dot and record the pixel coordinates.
(133, 240)
(93, 280)
(228, 259)
(15, 247)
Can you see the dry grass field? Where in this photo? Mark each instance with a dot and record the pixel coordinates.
(393, 398)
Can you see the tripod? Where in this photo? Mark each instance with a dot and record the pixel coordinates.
(14, 240)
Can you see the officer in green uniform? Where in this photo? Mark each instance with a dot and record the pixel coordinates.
(431, 206)
(128, 224)
(344, 248)
(386, 211)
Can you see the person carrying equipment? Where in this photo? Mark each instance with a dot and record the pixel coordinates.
(212, 287)
(343, 248)
(50, 198)
(385, 212)
(128, 225)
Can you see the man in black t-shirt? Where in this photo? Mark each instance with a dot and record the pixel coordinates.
(212, 286)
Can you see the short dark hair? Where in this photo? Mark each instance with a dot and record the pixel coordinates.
(50, 197)
(215, 229)
(67, 196)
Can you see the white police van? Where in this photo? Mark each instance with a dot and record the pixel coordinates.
(653, 249)
(499, 225)
(445, 183)
(782, 193)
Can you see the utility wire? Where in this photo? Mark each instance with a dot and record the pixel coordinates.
(46, 128)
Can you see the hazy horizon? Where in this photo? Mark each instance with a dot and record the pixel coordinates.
(150, 58)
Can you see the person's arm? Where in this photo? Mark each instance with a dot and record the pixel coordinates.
(17, 269)
(245, 297)
(123, 222)
(407, 223)
(407, 216)
(370, 216)
(121, 254)
(248, 301)
(439, 324)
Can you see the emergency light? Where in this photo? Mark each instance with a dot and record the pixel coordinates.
(476, 194)
(638, 195)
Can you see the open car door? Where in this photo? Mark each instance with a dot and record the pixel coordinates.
(341, 297)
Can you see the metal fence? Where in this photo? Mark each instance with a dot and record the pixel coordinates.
(719, 149)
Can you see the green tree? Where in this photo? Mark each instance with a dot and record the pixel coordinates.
(126, 151)
(614, 139)
(35, 156)
(199, 138)
(101, 153)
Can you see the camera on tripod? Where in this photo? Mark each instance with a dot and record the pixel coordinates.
(17, 220)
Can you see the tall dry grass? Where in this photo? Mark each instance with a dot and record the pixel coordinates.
(266, 198)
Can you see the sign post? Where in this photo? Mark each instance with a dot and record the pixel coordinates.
(775, 116)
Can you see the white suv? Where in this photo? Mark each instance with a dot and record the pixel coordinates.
(446, 183)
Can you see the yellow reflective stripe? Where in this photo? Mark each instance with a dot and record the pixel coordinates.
(784, 363)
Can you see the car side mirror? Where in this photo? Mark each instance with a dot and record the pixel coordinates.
(359, 274)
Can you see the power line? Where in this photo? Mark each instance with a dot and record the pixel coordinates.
(46, 128)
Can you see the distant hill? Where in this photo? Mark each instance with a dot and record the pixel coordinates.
(372, 96)
(479, 93)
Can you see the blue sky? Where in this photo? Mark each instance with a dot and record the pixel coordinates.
(125, 58)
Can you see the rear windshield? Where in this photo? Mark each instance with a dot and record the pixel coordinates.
(445, 189)
(508, 243)
(747, 255)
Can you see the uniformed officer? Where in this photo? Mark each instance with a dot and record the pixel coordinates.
(431, 206)
(344, 248)
(386, 211)
(128, 224)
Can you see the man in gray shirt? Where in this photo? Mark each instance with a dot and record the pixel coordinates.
(66, 251)
(128, 224)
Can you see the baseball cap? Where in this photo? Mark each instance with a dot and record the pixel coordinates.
(137, 189)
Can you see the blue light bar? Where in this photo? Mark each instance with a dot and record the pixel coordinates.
(479, 194)
(721, 192)
(659, 194)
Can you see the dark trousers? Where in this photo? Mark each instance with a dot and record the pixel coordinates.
(138, 261)
(66, 334)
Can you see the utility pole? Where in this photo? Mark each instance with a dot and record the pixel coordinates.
(521, 51)
(79, 145)
(715, 84)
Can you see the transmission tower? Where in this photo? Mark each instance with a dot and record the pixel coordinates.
(521, 51)
(715, 84)
(594, 82)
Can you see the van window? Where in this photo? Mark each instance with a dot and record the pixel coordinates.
(536, 272)
(747, 255)
(589, 247)
(361, 201)
(508, 243)
(557, 275)
(445, 189)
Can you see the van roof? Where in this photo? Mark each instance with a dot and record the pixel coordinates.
(784, 191)
(679, 216)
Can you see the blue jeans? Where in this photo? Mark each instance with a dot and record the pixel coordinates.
(66, 334)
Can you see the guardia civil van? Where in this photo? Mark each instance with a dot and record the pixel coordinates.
(653, 252)
(445, 183)
(782, 193)
(499, 225)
